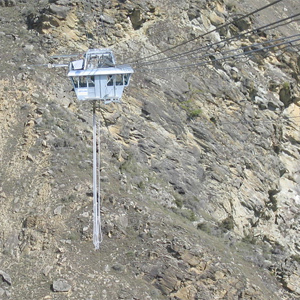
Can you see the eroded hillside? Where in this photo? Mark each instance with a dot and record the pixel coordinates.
(200, 163)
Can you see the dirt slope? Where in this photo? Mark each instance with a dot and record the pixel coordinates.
(200, 165)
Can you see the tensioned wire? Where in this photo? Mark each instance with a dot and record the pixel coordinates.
(282, 118)
(244, 53)
(206, 47)
(207, 33)
(201, 58)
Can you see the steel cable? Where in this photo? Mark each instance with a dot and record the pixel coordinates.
(203, 48)
(209, 32)
(226, 57)
(99, 182)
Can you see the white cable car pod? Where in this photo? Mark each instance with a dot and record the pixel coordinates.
(96, 77)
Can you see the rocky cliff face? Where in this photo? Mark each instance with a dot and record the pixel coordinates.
(200, 165)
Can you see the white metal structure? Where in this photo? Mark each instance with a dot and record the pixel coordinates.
(97, 77)
(97, 232)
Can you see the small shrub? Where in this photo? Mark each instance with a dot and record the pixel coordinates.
(227, 224)
(194, 113)
(191, 216)
(286, 85)
(204, 227)
(141, 185)
(74, 236)
(179, 202)
(68, 199)
(130, 254)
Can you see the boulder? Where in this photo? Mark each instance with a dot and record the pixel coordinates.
(61, 285)
(5, 277)
(60, 11)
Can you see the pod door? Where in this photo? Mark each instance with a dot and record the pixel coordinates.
(91, 85)
(114, 85)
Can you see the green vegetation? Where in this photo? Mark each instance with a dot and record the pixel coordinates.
(195, 113)
(68, 199)
(130, 254)
(189, 214)
(204, 227)
(74, 236)
(141, 185)
(189, 105)
(227, 224)
(178, 202)
(191, 109)
(286, 85)
(129, 165)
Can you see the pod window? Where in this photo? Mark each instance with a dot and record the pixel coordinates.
(110, 80)
(82, 81)
(91, 81)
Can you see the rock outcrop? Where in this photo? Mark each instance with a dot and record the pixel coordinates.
(200, 175)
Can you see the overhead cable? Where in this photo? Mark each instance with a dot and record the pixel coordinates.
(205, 47)
(282, 118)
(225, 57)
(208, 55)
(209, 32)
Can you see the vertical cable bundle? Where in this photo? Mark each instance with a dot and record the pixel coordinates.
(97, 232)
